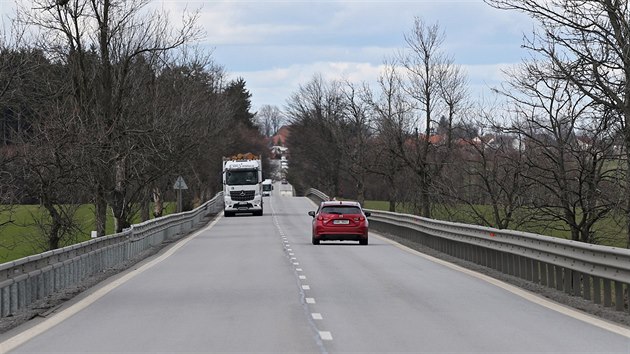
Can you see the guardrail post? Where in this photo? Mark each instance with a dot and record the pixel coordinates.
(559, 278)
(21, 289)
(577, 282)
(14, 297)
(597, 290)
(586, 280)
(40, 286)
(607, 293)
(544, 274)
(536, 271)
(6, 298)
(28, 291)
(619, 297)
(568, 276)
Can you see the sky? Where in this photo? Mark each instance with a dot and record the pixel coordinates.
(278, 45)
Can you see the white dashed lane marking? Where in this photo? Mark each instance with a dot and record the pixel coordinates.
(325, 335)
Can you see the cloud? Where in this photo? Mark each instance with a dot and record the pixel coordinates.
(275, 86)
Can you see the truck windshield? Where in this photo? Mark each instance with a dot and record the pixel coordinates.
(242, 177)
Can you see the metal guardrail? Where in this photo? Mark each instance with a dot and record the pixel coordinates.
(319, 195)
(596, 273)
(29, 279)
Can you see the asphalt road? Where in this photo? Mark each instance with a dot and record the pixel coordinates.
(257, 284)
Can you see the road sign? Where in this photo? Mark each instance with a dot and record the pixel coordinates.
(180, 184)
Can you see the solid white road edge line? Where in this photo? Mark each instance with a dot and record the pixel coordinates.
(47, 324)
(578, 315)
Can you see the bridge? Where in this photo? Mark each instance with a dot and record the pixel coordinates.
(257, 284)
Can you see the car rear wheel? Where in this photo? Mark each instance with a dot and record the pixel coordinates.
(227, 214)
(315, 241)
(363, 242)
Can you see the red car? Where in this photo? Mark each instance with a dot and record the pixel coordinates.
(340, 221)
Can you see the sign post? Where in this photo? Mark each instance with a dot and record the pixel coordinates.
(178, 186)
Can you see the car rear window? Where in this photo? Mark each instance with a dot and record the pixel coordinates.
(341, 209)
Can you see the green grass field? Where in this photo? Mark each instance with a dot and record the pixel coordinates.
(22, 238)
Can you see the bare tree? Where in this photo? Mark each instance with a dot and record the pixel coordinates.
(453, 89)
(393, 119)
(101, 41)
(49, 172)
(16, 62)
(47, 161)
(569, 149)
(587, 41)
(355, 136)
(429, 73)
(488, 171)
(270, 119)
(315, 112)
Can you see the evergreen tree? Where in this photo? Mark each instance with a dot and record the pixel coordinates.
(240, 99)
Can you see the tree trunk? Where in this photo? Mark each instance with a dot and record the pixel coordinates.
(425, 198)
(145, 208)
(158, 203)
(392, 193)
(100, 212)
(361, 191)
(627, 188)
(53, 237)
(627, 162)
(119, 205)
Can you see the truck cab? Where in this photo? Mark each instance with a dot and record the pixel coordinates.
(242, 185)
(267, 187)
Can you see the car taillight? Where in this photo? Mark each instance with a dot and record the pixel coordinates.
(359, 219)
(320, 218)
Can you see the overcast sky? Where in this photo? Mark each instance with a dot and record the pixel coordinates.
(276, 45)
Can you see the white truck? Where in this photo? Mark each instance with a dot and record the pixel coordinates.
(267, 187)
(242, 184)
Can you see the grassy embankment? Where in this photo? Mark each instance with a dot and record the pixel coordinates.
(22, 238)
